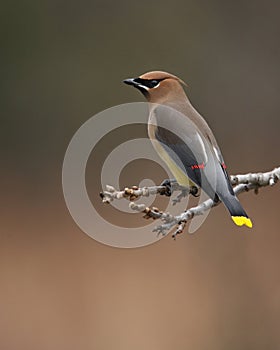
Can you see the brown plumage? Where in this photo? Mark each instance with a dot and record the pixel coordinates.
(184, 140)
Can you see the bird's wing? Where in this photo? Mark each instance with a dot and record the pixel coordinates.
(189, 161)
(181, 140)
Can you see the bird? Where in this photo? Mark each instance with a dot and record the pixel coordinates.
(185, 142)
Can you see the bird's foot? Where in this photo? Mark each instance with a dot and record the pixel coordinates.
(194, 191)
(168, 187)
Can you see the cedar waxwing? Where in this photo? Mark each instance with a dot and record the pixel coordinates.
(186, 144)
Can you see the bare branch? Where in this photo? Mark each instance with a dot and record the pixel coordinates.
(131, 194)
(242, 183)
(135, 192)
(259, 179)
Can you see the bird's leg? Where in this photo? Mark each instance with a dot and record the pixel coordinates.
(168, 187)
(172, 184)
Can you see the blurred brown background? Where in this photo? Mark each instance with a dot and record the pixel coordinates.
(62, 62)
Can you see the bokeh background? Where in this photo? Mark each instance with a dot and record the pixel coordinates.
(62, 62)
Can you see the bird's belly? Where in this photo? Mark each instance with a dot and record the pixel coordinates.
(180, 176)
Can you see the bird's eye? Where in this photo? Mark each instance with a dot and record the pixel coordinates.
(154, 83)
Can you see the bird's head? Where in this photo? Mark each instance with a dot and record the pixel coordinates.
(157, 86)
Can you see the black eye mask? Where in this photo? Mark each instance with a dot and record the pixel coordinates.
(149, 83)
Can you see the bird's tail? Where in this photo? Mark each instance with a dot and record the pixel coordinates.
(237, 212)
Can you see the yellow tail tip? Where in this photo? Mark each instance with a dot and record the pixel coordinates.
(242, 220)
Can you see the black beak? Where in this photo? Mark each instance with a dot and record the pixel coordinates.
(130, 82)
(136, 82)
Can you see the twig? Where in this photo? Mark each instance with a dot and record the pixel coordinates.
(135, 192)
(242, 183)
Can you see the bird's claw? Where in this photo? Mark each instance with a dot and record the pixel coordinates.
(194, 191)
(168, 187)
